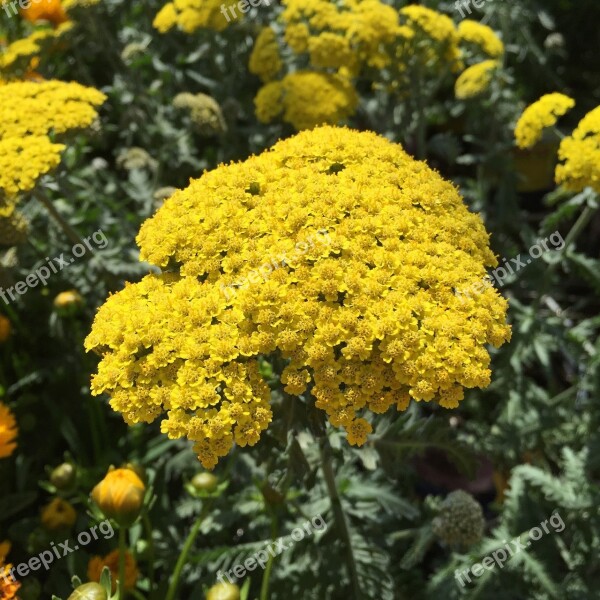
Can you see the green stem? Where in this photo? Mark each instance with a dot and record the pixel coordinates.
(338, 513)
(69, 231)
(122, 550)
(189, 542)
(264, 588)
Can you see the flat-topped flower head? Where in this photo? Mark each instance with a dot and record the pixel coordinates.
(335, 250)
(475, 80)
(580, 155)
(540, 115)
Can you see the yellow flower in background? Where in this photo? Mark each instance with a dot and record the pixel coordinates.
(97, 563)
(580, 155)
(330, 50)
(5, 328)
(68, 299)
(29, 112)
(8, 425)
(265, 60)
(58, 514)
(205, 113)
(475, 80)
(538, 116)
(20, 52)
(191, 15)
(24, 160)
(8, 585)
(357, 29)
(307, 99)
(120, 496)
(366, 313)
(36, 108)
(482, 36)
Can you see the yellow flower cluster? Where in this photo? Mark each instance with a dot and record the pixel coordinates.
(19, 53)
(482, 36)
(265, 60)
(29, 112)
(538, 116)
(580, 153)
(307, 99)
(9, 586)
(475, 80)
(367, 322)
(355, 31)
(191, 15)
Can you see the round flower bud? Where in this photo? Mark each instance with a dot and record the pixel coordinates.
(120, 496)
(67, 303)
(63, 476)
(223, 591)
(5, 328)
(204, 482)
(460, 520)
(89, 591)
(59, 514)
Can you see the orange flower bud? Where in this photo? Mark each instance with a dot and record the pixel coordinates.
(45, 10)
(59, 514)
(5, 328)
(120, 496)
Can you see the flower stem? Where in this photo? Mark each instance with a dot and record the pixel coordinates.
(122, 550)
(69, 231)
(189, 542)
(338, 513)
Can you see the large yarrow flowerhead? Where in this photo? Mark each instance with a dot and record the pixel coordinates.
(580, 155)
(538, 116)
(335, 250)
(120, 496)
(460, 521)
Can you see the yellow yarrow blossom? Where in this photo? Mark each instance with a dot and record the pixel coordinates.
(191, 15)
(580, 155)
(24, 160)
(482, 36)
(265, 60)
(307, 99)
(538, 116)
(358, 29)
(8, 426)
(36, 108)
(366, 314)
(30, 47)
(475, 80)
